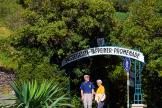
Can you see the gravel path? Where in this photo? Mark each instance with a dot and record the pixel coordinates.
(7, 100)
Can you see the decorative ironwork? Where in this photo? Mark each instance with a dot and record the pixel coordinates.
(138, 97)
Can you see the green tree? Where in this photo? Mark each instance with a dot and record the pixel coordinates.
(142, 30)
(57, 28)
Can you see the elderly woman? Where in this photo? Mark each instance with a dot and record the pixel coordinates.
(100, 94)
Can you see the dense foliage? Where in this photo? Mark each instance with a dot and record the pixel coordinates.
(50, 30)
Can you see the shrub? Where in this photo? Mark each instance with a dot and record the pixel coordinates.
(36, 94)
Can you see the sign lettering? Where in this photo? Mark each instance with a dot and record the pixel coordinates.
(107, 50)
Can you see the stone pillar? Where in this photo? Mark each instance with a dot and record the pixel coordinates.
(139, 106)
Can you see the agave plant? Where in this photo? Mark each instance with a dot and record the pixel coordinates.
(39, 95)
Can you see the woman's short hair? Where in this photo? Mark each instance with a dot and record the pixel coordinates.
(99, 81)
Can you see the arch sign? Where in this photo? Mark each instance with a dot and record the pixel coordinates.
(106, 50)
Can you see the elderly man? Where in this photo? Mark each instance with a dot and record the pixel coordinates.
(100, 94)
(87, 92)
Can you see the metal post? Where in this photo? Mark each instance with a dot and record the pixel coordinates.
(128, 82)
(69, 88)
(135, 71)
(127, 67)
(138, 86)
(140, 81)
(68, 73)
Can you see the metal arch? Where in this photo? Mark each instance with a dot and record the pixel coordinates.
(105, 50)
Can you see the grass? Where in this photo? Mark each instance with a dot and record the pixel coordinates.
(7, 100)
(6, 61)
(4, 32)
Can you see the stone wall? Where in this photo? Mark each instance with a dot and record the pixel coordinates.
(5, 79)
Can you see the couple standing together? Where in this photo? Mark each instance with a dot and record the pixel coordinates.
(88, 93)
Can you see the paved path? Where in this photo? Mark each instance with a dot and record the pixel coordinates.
(7, 100)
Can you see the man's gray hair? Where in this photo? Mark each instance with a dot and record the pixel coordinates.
(85, 76)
